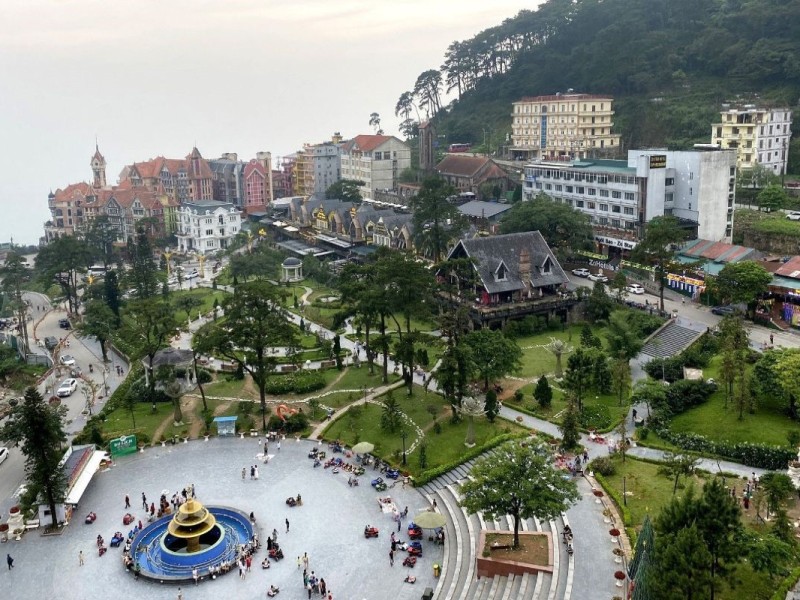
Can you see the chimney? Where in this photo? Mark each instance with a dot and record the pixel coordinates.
(525, 270)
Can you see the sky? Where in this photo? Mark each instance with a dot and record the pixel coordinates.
(155, 77)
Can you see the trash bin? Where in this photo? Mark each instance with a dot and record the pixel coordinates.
(427, 594)
(436, 570)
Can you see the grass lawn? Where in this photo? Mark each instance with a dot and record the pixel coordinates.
(768, 425)
(649, 492)
(363, 424)
(204, 295)
(538, 360)
(119, 422)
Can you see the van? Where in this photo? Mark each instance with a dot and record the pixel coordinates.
(50, 342)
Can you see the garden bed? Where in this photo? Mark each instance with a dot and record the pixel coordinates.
(499, 557)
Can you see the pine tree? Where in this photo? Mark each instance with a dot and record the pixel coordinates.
(543, 393)
(491, 406)
(570, 436)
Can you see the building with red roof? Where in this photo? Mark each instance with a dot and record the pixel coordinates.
(377, 160)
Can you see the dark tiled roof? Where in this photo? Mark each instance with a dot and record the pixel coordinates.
(479, 208)
(489, 252)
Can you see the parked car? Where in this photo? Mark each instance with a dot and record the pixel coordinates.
(793, 215)
(67, 388)
(581, 272)
(723, 311)
(64, 324)
(3, 454)
(67, 360)
(192, 274)
(634, 288)
(50, 342)
(598, 277)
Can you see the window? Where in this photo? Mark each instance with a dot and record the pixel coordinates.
(602, 179)
(603, 220)
(615, 222)
(616, 195)
(590, 205)
(592, 191)
(548, 186)
(579, 203)
(628, 210)
(669, 181)
(604, 193)
(629, 196)
(579, 190)
(569, 189)
(500, 274)
(558, 188)
(604, 207)
(209, 232)
(615, 208)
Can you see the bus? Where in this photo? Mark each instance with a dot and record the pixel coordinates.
(459, 147)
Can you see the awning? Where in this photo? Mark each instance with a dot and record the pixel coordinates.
(74, 494)
(291, 228)
(332, 240)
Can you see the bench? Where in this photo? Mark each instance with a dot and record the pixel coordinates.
(32, 524)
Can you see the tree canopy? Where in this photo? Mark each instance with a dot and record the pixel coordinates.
(494, 355)
(346, 190)
(436, 220)
(742, 282)
(520, 480)
(564, 229)
(657, 247)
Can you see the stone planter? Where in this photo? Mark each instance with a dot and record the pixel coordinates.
(614, 533)
(618, 555)
(206, 437)
(620, 577)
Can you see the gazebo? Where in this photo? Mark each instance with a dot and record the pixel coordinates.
(177, 359)
(292, 269)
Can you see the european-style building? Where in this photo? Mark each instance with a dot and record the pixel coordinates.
(207, 226)
(377, 160)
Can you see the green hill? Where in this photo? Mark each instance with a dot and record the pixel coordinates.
(669, 64)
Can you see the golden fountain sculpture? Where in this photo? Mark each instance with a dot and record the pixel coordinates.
(190, 522)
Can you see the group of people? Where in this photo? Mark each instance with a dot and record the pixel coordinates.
(253, 471)
(315, 585)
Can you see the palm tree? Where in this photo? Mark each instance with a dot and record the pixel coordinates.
(471, 407)
(559, 348)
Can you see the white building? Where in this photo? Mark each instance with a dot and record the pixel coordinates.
(759, 135)
(325, 165)
(207, 226)
(377, 160)
(621, 196)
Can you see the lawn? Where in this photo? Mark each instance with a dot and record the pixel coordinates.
(768, 425)
(363, 424)
(119, 422)
(537, 360)
(205, 295)
(648, 492)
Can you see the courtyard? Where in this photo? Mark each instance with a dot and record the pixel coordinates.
(328, 526)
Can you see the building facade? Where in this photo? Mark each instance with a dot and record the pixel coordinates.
(620, 197)
(759, 135)
(469, 173)
(207, 226)
(258, 183)
(563, 127)
(228, 178)
(377, 160)
(187, 180)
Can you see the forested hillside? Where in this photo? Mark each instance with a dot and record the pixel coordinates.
(670, 64)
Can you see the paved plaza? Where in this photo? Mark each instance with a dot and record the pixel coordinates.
(329, 527)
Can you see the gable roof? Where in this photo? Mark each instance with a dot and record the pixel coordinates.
(462, 165)
(479, 208)
(489, 252)
(366, 143)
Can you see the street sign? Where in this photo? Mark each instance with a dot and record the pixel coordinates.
(123, 445)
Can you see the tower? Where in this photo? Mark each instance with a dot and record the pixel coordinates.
(427, 156)
(98, 169)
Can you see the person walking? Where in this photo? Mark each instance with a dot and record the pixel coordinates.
(391, 558)
(10, 561)
(771, 340)
(305, 561)
(244, 473)
(80, 558)
(144, 502)
(287, 525)
(180, 594)
(275, 535)
(299, 562)
(127, 501)
(279, 445)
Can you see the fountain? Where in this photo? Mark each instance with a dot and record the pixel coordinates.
(195, 537)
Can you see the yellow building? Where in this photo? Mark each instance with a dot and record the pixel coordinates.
(563, 127)
(758, 134)
(304, 172)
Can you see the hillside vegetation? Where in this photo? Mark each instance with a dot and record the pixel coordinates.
(669, 63)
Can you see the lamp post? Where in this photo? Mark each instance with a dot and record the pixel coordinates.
(403, 434)
(364, 388)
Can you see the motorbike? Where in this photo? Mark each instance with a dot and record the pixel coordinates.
(414, 532)
(352, 482)
(117, 539)
(410, 561)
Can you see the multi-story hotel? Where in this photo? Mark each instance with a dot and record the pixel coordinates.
(759, 135)
(207, 226)
(563, 127)
(620, 196)
(377, 160)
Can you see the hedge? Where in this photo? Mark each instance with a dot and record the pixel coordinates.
(764, 456)
(786, 585)
(612, 493)
(431, 474)
(297, 383)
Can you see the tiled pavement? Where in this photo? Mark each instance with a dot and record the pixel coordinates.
(329, 526)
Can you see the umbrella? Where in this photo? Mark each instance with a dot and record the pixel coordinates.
(429, 520)
(363, 448)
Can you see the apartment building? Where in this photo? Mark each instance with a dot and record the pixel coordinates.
(621, 196)
(758, 134)
(187, 180)
(377, 160)
(568, 126)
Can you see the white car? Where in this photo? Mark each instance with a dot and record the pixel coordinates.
(793, 215)
(3, 454)
(67, 388)
(581, 272)
(598, 277)
(67, 360)
(634, 288)
(193, 274)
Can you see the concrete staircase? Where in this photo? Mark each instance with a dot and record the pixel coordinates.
(459, 582)
(670, 340)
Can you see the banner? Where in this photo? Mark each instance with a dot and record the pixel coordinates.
(123, 445)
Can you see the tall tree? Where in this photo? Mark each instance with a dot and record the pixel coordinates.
(565, 229)
(578, 378)
(15, 275)
(428, 89)
(147, 326)
(620, 378)
(454, 374)
(64, 260)
(772, 198)
(680, 564)
(623, 340)
(599, 305)
(346, 190)
(101, 236)
(743, 282)
(375, 123)
(436, 220)
(656, 248)
(254, 322)
(111, 292)
(98, 322)
(676, 466)
(518, 479)
(404, 106)
(38, 427)
(543, 393)
(494, 354)
(143, 275)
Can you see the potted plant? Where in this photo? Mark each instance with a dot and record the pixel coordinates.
(598, 494)
(614, 535)
(620, 577)
(618, 552)
(607, 516)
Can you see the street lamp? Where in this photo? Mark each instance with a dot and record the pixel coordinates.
(364, 389)
(403, 434)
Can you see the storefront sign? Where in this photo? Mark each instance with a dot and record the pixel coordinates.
(658, 161)
(123, 445)
(616, 243)
(627, 263)
(592, 255)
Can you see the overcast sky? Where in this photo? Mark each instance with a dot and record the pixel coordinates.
(151, 77)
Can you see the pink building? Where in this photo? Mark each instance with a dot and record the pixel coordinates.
(256, 184)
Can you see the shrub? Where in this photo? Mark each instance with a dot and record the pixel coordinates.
(297, 383)
(204, 376)
(684, 394)
(603, 465)
(296, 422)
(529, 325)
(670, 369)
